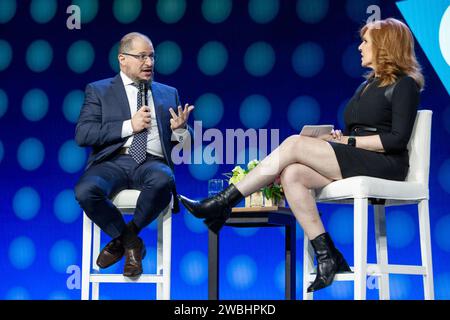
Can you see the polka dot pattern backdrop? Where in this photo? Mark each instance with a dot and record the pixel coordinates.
(250, 64)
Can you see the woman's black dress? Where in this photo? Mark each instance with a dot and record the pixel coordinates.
(393, 119)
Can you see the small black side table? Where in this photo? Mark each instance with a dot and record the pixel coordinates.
(255, 217)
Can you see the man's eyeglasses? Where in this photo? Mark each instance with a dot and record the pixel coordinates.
(141, 57)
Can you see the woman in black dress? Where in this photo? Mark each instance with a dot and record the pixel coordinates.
(379, 119)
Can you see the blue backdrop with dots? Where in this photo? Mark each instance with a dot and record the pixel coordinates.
(276, 64)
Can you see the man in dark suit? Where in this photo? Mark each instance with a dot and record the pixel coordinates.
(131, 145)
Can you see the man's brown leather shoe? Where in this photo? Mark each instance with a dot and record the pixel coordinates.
(110, 254)
(133, 262)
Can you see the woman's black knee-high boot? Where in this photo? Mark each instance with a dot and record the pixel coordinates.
(329, 262)
(215, 210)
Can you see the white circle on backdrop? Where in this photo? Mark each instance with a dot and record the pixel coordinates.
(444, 36)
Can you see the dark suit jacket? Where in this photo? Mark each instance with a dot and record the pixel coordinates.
(104, 110)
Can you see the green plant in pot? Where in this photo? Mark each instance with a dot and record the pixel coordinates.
(271, 195)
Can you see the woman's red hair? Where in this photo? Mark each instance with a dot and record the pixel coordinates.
(393, 51)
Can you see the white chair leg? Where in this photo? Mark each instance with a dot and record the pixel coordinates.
(95, 253)
(360, 247)
(308, 267)
(159, 257)
(381, 247)
(167, 254)
(86, 257)
(425, 248)
(164, 253)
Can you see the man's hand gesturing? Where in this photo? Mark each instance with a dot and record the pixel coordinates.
(179, 120)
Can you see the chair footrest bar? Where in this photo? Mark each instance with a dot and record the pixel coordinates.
(118, 278)
(377, 270)
(348, 276)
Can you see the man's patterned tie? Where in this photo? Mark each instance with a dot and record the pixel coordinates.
(138, 148)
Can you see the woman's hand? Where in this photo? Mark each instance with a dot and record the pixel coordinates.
(334, 135)
(341, 140)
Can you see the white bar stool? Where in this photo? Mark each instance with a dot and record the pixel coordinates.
(125, 201)
(362, 191)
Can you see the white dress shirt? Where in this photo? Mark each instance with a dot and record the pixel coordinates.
(153, 140)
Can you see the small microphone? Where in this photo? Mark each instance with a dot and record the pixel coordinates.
(143, 90)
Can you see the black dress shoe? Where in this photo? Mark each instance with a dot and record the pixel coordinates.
(110, 254)
(134, 257)
(215, 210)
(329, 262)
